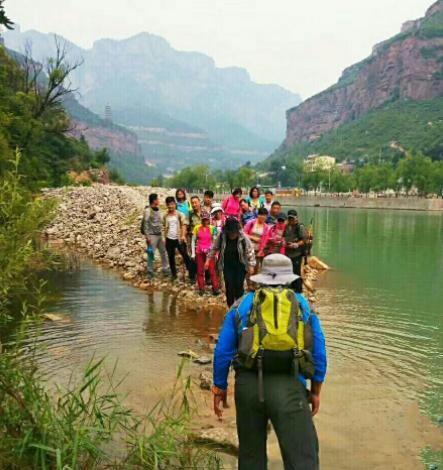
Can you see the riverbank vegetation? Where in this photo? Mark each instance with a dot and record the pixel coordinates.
(33, 120)
(412, 171)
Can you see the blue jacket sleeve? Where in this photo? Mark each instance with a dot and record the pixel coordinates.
(318, 350)
(225, 351)
(319, 343)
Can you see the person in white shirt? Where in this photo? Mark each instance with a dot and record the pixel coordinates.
(269, 199)
(175, 225)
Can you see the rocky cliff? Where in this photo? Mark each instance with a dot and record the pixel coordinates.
(407, 66)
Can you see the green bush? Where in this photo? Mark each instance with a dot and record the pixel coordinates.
(21, 218)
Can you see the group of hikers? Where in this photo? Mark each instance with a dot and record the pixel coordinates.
(229, 238)
(270, 335)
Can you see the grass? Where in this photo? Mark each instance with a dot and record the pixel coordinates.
(86, 426)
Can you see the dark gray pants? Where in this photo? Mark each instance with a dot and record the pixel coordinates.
(297, 285)
(286, 405)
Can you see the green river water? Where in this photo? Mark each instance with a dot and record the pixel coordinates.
(381, 306)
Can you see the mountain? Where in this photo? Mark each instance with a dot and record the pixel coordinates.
(122, 144)
(149, 85)
(390, 100)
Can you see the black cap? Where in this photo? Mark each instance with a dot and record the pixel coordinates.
(292, 213)
(232, 225)
(281, 216)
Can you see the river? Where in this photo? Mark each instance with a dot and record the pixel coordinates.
(381, 307)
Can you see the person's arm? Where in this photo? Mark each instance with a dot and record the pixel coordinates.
(194, 241)
(318, 353)
(264, 240)
(145, 225)
(224, 204)
(223, 356)
(183, 227)
(250, 255)
(215, 247)
(303, 236)
(165, 226)
(248, 228)
(318, 350)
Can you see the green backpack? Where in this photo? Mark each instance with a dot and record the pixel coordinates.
(276, 339)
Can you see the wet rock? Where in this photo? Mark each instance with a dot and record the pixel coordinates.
(56, 317)
(223, 438)
(128, 276)
(203, 360)
(315, 263)
(189, 354)
(113, 253)
(205, 380)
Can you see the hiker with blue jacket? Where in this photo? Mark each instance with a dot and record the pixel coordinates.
(276, 345)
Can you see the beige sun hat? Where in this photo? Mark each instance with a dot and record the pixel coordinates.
(276, 271)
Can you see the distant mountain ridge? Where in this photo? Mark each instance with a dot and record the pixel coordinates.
(147, 83)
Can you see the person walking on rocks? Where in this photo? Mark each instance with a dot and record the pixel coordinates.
(203, 236)
(195, 214)
(273, 213)
(274, 241)
(276, 345)
(258, 232)
(183, 205)
(246, 212)
(176, 228)
(208, 200)
(255, 200)
(231, 205)
(295, 241)
(269, 199)
(152, 227)
(236, 258)
(218, 218)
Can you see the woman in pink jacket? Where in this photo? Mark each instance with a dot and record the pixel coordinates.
(257, 231)
(231, 205)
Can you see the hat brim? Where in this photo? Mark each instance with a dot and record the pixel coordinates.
(280, 279)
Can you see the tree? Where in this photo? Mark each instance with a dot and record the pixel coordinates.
(51, 86)
(417, 170)
(4, 20)
(102, 156)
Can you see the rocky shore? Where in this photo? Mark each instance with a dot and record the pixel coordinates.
(102, 222)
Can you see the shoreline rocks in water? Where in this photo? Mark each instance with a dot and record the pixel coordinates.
(103, 223)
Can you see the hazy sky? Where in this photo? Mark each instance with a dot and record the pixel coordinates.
(301, 45)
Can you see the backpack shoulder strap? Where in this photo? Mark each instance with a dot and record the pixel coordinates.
(238, 305)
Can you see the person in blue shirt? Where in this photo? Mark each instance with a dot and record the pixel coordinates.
(287, 402)
(255, 200)
(183, 205)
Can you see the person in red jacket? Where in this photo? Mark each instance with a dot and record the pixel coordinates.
(231, 205)
(257, 230)
(203, 236)
(275, 241)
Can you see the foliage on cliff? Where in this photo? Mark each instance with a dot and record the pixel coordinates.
(381, 135)
(34, 123)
